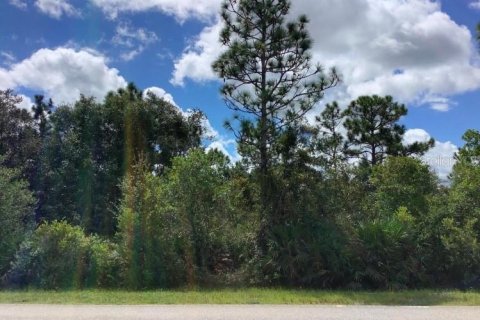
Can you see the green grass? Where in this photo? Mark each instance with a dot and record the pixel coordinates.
(244, 296)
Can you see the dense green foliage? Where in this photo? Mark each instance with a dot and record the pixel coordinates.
(60, 256)
(120, 193)
(19, 139)
(88, 148)
(16, 213)
(196, 199)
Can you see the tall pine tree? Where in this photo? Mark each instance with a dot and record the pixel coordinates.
(269, 78)
(373, 130)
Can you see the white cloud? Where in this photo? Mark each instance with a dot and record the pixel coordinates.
(209, 131)
(442, 107)
(217, 145)
(227, 147)
(409, 49)
(130, 55)
(406, 48)
(26, 103)
(180, 9)
(475, 4)
(196, 60)
(53, 8)
(20, 4)
(160, 93)
(6, 81)
(219, 142)
(63, 74)
(440, 157)
(136, 40)
(57, 8)
(126, 35)
(438, 103)
(7, 57)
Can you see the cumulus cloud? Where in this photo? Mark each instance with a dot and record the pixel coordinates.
(406, 48)
(57, 8)
(181, 10)
(63, 74)
(26, 103)
(475, 4)
(135, 40)
(440, 158)
(409, 49)
(6, 81)
(161, 93)
(196, 60)
(227, 147)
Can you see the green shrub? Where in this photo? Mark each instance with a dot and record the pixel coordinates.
(308, 254)
(181, 229)
(60, 256)
(105, 264)
(386, 252)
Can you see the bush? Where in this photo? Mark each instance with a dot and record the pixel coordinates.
(386, 253)
(105, 264)
(60, 256)
(308, 254)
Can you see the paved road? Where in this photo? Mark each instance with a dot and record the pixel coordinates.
(234, 312)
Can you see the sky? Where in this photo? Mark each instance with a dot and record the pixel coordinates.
(422, 52)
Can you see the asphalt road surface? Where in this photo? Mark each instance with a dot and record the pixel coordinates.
(234, 312)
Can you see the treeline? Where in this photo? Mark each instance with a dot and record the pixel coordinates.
(121, 194)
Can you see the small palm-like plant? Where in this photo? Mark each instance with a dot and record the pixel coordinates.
(387, 252)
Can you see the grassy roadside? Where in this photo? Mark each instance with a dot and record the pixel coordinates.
(244, 296)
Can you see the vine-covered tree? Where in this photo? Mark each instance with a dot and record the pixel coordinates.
(269, 77)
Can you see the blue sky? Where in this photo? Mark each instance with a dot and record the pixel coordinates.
(420, 51)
